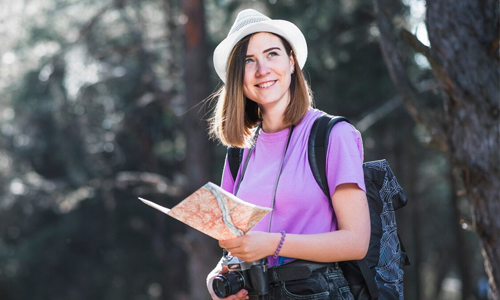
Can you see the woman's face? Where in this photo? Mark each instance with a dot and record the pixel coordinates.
(268, 69)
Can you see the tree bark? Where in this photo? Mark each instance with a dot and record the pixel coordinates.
(462, 253)
(464, 58)
(200, 248)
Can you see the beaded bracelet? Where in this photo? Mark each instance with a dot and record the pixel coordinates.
(283, 236)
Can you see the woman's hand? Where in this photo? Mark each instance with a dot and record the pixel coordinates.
(240, 295)
(349, 242)
(252, 246)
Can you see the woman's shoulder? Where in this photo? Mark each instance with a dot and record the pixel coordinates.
(341, 127)
(345, 134)
(344, 127)
(311, 115)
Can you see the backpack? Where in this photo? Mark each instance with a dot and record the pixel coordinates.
(380, 274)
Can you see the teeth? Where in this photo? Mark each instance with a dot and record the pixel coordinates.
(267, 84)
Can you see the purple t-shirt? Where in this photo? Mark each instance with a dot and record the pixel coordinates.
(300, 205)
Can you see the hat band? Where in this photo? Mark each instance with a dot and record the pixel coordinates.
(247, 22)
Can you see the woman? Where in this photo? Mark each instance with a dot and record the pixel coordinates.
(265, 107)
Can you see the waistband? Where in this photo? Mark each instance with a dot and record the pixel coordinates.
(298, 269)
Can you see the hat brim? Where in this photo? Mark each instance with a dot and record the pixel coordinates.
(283, 28)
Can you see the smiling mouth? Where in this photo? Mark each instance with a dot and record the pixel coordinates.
(266, 84)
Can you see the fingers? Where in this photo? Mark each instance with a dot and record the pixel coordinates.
(236, 246)
(234, 243)
(241, 295)
(229, 243)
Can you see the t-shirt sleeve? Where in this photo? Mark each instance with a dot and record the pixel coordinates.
(345, 157)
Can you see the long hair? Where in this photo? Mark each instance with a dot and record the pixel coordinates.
(235, 115)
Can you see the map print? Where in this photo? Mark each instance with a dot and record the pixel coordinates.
(215, 212)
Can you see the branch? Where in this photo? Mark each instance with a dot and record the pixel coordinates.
(437, 68)
(417, 45)
(156, 182)
(379, 113)
(388, 106)
(420, 113)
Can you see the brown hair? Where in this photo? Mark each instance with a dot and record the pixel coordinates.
(235, 115)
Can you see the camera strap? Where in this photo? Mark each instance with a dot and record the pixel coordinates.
(279, 171)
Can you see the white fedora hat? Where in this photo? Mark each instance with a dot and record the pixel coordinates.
(251, 21)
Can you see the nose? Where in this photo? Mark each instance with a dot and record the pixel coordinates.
(262, 68)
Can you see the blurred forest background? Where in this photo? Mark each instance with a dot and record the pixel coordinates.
(102, 101)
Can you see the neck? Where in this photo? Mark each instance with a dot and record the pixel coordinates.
(272, 126)
(273, 122)
(272, 119)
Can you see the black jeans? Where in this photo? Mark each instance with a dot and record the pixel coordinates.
(326, 283)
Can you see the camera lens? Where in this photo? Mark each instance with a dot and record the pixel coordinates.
(228, 284)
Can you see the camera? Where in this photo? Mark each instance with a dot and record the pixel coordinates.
(251, 276)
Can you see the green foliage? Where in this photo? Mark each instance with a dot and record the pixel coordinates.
(90, 119)
(92, 101)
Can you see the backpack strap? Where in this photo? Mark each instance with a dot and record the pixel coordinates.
(317, 148)
(234, 156)
(405, 254)
(318, 145)
(369, 279)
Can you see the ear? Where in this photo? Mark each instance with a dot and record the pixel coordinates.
(292, 62)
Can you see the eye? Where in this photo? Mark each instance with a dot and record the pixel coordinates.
(248, 60)
(272, 54)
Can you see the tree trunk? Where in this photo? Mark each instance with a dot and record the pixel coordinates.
(464, 58)
(200, 248)
(462, 34)
(462, 251)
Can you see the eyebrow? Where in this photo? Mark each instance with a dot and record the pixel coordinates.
(267, 50)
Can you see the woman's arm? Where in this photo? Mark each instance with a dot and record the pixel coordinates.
(349, 242)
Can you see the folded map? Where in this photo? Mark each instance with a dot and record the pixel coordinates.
(215, 212)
